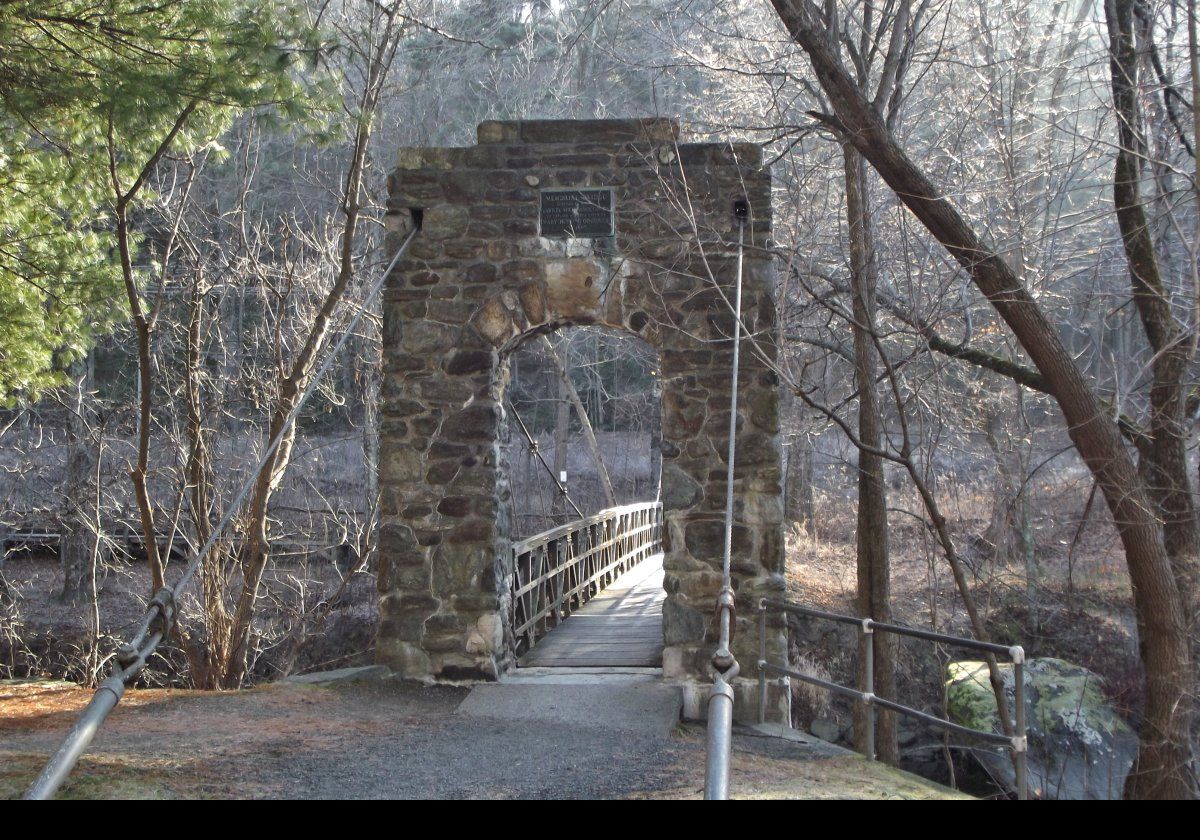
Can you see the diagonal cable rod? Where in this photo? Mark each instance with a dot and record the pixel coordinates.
(157, 623)
(533, 447)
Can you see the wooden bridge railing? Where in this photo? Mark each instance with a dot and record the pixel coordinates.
(558, 571)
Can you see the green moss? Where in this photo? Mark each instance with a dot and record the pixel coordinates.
(969, 695)
(1078, 747)
(98, 778)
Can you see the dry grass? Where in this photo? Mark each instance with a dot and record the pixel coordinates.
(166, 743)
(119, 778)
(162, 744)
(755, 775)
(36, 705)
(1078, 608)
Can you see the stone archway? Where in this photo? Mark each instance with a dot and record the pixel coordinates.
(479, 279)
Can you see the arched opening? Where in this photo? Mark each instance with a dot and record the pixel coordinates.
(580, 450)
(593, 431)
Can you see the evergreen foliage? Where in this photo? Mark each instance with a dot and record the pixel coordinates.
(89, 89)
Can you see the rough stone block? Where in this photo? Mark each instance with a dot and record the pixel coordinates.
(494, 131)
(494, 322)
(443, 221)
(681, 623)
(405, 659)
(424, 158)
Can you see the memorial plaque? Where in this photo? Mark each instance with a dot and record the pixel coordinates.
(583, 214)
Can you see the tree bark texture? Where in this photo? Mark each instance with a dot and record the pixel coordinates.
(1164, 754)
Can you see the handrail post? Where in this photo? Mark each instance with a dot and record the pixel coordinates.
(1021, 745)
(868, 687)
(1015, 740)
(762, 660)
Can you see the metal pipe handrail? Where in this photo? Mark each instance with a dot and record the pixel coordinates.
(896, 629)
(1017, 744)
(863, 697)
(579, 558)
(579, 587)
(595, 549)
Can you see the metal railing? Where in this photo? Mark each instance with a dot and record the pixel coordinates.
(1017, 743)
(558, 571)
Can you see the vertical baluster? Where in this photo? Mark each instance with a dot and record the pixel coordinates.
(601, 555)
(531, 596)
(594, 536)
(524, 559)
(555, 613)
(543, 570)
(564, 562)
(616, 540)
(614, 530)
(514, 588)
(570, 568)
(569, 574)
(622, 553)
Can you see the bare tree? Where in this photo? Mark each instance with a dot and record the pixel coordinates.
(1163, 766)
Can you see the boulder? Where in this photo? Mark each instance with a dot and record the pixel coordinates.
(1078, 747)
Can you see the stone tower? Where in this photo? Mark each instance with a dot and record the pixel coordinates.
(549, 224)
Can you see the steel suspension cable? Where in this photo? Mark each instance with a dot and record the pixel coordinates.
(162, 608)
(724, 666)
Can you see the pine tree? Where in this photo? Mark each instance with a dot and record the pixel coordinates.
(88, 91)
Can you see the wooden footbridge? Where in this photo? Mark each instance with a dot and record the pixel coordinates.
(590, 593)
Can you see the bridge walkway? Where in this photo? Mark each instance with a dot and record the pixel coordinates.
(619, 627)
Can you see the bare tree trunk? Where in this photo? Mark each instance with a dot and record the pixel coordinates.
(799, 505)
(873, 599)
(1164, 459)
(1164, 755)
(589, 435)
(562, 417)
(371, 383)
(999, 532)
(143, 320)
(76, 544)
(206, 655)
(1010, 531)
(5, 589)
(384, 34)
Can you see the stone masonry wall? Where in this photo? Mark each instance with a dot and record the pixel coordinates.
(479, 280)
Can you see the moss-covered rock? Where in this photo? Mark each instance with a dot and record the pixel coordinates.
(1078, 747)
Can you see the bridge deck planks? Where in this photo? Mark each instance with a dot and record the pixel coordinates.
(622, 626)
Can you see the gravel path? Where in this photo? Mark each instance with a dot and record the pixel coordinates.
(386, 739)
(364, 740)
